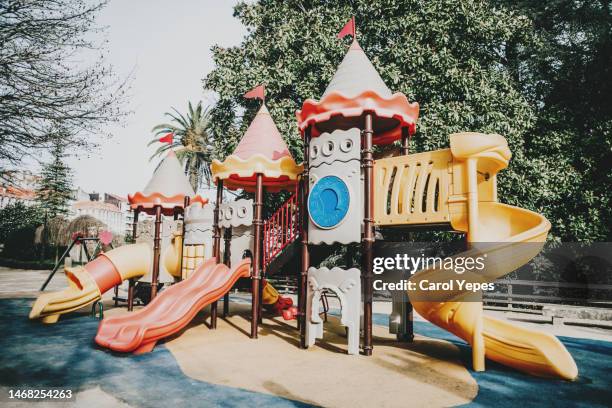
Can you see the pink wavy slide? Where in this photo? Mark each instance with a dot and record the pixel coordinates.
(171, 310)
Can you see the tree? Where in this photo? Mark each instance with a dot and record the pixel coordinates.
(17, 216)
(43, 84)
(54, 191)
(566, 74)
(192, 141)
(451, 57)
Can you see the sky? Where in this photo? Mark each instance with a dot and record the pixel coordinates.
(166, 46)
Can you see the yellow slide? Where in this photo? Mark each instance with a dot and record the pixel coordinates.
(527, 350)
(88, 283)
(459, 186)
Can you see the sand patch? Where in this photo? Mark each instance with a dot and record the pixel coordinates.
(426, 373)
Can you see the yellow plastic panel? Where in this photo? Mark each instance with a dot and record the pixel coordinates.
(412, 189)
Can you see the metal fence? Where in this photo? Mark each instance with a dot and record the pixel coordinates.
(516, 295)
(285, 284)
(530, 296)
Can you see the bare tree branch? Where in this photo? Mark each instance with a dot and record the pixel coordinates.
(43, 85)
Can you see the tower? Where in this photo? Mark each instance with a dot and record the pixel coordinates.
(260, 162)
(357, 106)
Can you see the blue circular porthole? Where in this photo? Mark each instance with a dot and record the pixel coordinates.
(328, 202)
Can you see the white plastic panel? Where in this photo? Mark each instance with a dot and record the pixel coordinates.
(346, 284)
(335, 180)
(348, 229)
(236, 213)
(199, 225)
(340, 145)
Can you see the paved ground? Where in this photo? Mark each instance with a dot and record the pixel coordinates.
(324, 375)
(22, 283)
(25, 283)
(64, 355)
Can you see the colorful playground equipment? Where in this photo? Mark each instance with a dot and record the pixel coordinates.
(175, 307)
(166, 193)
(261, 161)
(172, 310)
(88, 283)
(80, 241)
(342, 194)
(457, 186)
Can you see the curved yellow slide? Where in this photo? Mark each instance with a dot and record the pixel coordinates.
(527, 350)
(87, 283)
(510, 237)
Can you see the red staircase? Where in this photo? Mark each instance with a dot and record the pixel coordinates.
(281, 229)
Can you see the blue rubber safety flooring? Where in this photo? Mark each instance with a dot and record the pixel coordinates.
(33, 355)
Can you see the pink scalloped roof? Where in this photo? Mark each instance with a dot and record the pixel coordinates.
(261, 150)
(262, 137)
(355, 89)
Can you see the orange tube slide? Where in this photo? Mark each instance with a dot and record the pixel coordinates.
(88, 283)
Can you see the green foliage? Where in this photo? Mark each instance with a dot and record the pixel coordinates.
(455, 59)
(127, 239)
(20, 225)
(18, 216)
(566, 74)
(20, 245)
(192, 142)
(54, 191)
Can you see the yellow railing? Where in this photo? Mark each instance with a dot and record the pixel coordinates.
(441, 186)
(413, 189)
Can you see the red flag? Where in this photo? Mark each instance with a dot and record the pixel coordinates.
(167, 138)
(256, 93)
(348, 29)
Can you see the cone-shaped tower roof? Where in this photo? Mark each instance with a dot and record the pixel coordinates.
(169, 179)
(167, 188)
(356, 74)
(261, 150)
(356, 89)
(262, 137)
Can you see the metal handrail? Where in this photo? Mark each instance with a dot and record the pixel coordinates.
(281, 229)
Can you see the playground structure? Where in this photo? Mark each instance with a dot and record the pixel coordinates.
(166, 193)
(342, 195)
(80, 242)
(172, 310)
(457, 186)
(88, 283)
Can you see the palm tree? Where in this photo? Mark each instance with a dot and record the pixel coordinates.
(192, 141)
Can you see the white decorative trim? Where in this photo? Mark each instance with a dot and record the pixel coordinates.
(337, 146)
(236, 213)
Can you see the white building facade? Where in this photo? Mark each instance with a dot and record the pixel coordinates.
(107, 213)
